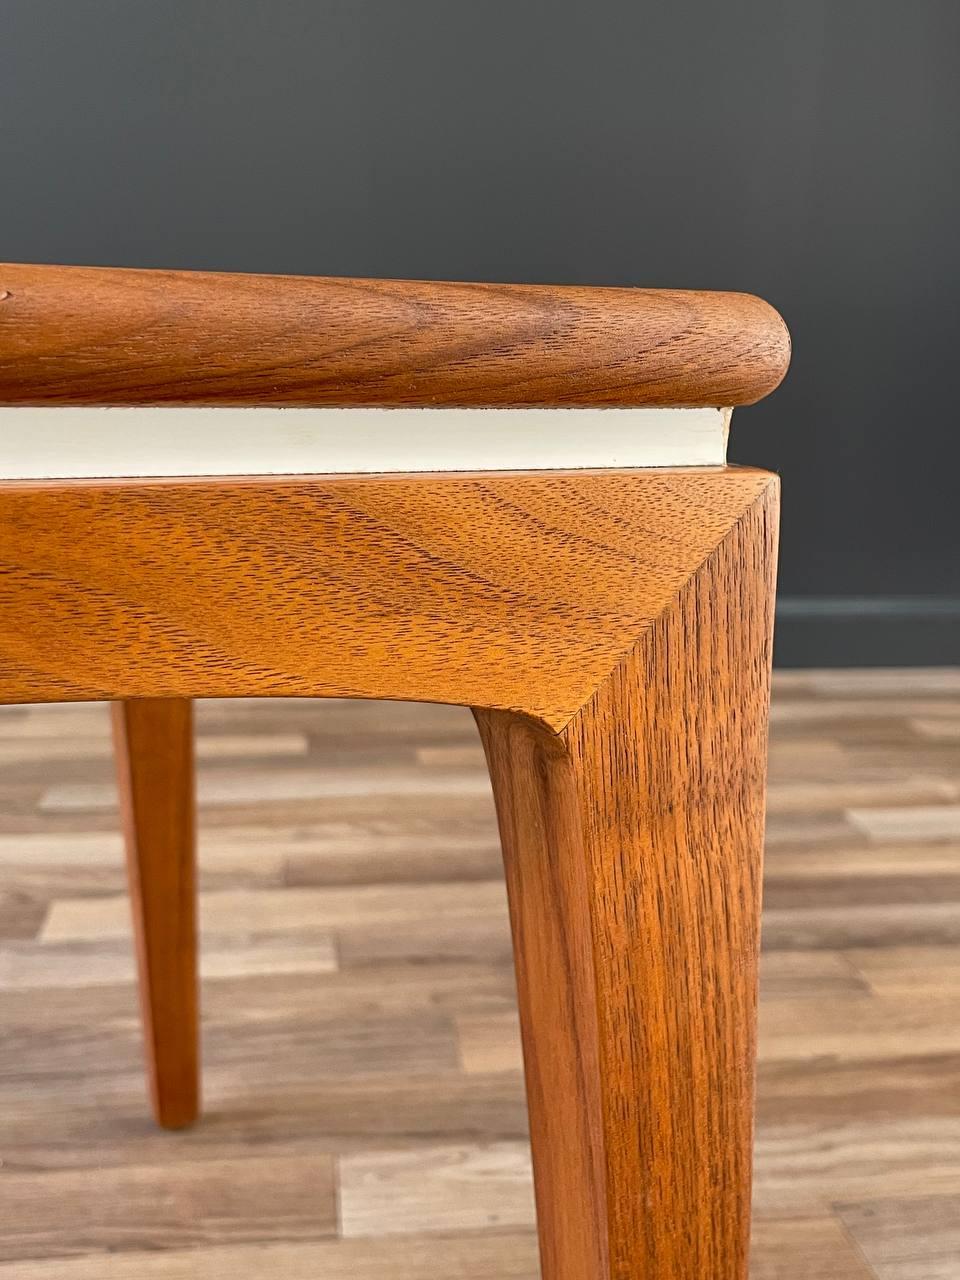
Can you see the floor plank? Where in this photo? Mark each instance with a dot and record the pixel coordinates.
(896, 823)
(102, 1210)
(480, 1256)
(817, 1248)
(909, 1239)
(436, 1189)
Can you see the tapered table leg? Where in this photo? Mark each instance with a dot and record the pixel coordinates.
(632, 840)
(154, 749)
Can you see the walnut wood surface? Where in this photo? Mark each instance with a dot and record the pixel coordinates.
(612, 631)
(633, 845)
(82, 335)
(513, 591)
(154, 748)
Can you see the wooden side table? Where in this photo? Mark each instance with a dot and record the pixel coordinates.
(513, 498)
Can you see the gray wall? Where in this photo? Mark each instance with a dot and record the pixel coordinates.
(805, 151)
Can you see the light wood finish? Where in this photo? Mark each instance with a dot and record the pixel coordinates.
(935, 822)
(509, 1256)
(633, 844)
(84, 335)
(126, 1204)
(858, 1131)
(520, 592)
(154, 746)
(908, 1239)
(432, 1189)
(242, 911)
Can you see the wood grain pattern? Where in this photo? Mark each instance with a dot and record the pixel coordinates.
(868, 1133)
(913, 1238)
(406, 1192)
(154, 742)
(632, 842)
(514, 591)
(551, 913)
(188, 1202)
(82, 335)
(503, 1256)
(612, 631)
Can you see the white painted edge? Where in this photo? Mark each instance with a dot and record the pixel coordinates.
(47, 443)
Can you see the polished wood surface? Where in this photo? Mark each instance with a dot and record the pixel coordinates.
(361, 1034)
(85, 335)
(521, 592)
(624, 617)
(610, 629)
(154, 752)
(633, 845)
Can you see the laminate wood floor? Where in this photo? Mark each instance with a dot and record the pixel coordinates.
(364, 1112)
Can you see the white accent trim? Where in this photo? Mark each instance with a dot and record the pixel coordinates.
(73, 442)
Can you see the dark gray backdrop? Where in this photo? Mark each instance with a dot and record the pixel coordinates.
(805, 151)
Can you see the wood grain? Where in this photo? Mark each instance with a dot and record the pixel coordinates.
(612, 631)
(447, 1187)
(514, 591)
(913, 1238)
(154, 741)
(868, 1131)
(632, 842)
(83, 335)
(468, 1256)
(184, 1203)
